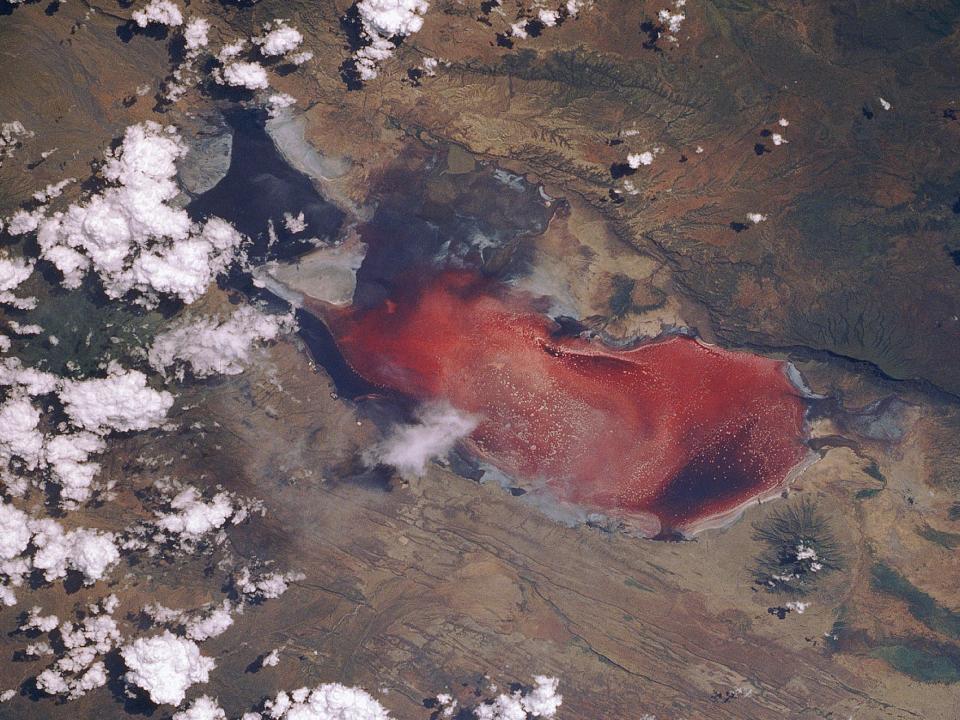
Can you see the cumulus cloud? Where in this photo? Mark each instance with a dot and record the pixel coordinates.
(122, 401)
(20, 436)
(203, 708)
(210, 624)
(210, 346)
(78, 668)
(131, 236)
(635, 160)
(294, 223)
(24, 329)
(68, 458)
(24, 221)
(195, 34)
(278, 101)
(33, 382)
(186, 518)
(271, 659)
(14, 538)
(673, 19)
(36, 621)
(541, 701)
(382, 20)
(52, 190)
(28, 544)
(267, 586)
(13, 272)
(278, 39)
(12, 135)
(249, 75)
(331, 701)
(192, 516)
(160, 12)
(165, 666)
(408, 448)
(91, 552)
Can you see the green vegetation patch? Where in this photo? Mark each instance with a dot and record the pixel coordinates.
(921, 605)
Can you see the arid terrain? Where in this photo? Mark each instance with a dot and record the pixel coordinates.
(837, 123)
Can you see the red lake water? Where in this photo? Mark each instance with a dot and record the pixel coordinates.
(673, 428)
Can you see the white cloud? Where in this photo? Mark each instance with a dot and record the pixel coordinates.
(294, 223)
(12, 135)
(277, 102)
(429, 66)
(91, 552)
(24, 221)
(271, 659)
(165, 666)
(20, 436)
(331, 701)
(756, 217)
(195, 34)
(164, 615)
(672, 20)
(130, 235)
(203, 708)
(30, 380)
(210, 624)
(519, 29)
(122, 401)
(161, 12)
(298, 58)
(279, 39)
(381, 21)
(408, 448)
(187, 518)
(249, 75)
(36, 621)
(193, 517)
(548, 17)
(264, 587)
(23, 329)
(885, 104)
(209, 345)
(77, 670)
(542, 701)
(52, 190)
(635, 160)
(68, 458)
(14, 532)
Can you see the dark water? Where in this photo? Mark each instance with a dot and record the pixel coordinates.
(430, 220)
(424, 223)
(323, 349)
(260, 186)
(427, 221)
